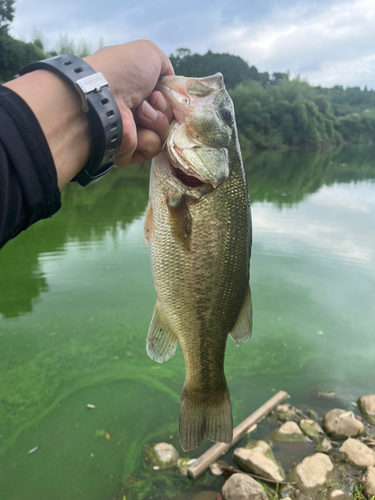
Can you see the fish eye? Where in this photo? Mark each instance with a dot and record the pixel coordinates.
(225, 114)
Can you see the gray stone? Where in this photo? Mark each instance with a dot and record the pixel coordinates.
(367, 406)
(357, 453)
(183, 464)
(312, 414)
(342, 424)
(325, 446)
(368, 481)
(286, 412)
(338, 495)
(162, 455)
(311, 429)
(257, 457)
(243, 487)
(286, 491)
(314, 471)
(289, 431)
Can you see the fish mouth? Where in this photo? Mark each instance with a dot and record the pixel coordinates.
(192, 160)
(187, 180)
(190, 182)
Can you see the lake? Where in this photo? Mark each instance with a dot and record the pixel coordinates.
(76, 299)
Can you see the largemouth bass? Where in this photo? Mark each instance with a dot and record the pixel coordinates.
(198, 226)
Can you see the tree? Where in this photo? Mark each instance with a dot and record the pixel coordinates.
(6, 14)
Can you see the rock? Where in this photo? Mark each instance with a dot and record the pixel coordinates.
(311, 429)
(289, 431)
(358, 453)
(162, 455)
(342, 424)
(257, 457)
(368, 481)
(286, 491)
(314, 471)
(367, 406)
(286, 412)
(338, 495)
(326, 394)
(216, 469)
(205, 495)
(243, 487)
(183, 464)
(324, 446)
(312, 414)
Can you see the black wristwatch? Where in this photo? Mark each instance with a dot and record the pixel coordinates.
(102, 111)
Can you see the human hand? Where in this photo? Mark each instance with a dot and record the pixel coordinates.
(132, 71)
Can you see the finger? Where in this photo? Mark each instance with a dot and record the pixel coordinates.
(166, 65)
(154, 120)
(149, 145)
(158, 102)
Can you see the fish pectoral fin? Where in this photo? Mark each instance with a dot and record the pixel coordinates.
(161, 342)
(241, 332)
(148, 226)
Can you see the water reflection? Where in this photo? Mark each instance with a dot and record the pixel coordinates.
(337, 222)
(91, 214)
(286, 178)
(113, 203)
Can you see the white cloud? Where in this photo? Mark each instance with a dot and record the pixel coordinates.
(339, 40)
(326, 41)
(359, 71)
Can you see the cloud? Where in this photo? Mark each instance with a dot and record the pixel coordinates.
(339, 39)
(316, 227)
(328, 42)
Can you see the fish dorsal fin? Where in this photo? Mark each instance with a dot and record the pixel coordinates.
(241, 332)
(148, 226)
(161, 342)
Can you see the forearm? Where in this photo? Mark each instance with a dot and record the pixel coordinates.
(58, 109)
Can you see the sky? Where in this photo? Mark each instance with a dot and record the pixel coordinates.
(326, 42)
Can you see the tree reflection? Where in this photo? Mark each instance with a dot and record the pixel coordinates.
(282, 178)
(86, 214)
(285, 178)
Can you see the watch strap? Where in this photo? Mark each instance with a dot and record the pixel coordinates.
(103, 115)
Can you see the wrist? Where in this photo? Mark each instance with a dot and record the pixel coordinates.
(58, 108)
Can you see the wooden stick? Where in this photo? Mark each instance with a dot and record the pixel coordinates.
(219, 449)
(265, 479)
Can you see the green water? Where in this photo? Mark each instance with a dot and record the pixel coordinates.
(76, 298)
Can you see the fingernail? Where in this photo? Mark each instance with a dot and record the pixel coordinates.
(149, 111)
(162, 105)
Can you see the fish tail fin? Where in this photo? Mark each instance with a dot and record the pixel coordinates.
(205, 416)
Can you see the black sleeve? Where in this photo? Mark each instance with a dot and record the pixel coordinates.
(28, 179)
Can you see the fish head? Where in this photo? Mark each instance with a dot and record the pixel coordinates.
(201, 134)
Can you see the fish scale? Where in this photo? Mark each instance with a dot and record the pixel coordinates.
(200, 241)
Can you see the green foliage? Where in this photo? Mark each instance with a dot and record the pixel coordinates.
(273, 111)
(14, 54)
(66, 45)
(349, 100)
(6, 14)
(234, 69)
(289, 113)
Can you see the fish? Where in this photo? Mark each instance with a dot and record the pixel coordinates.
(198, 228)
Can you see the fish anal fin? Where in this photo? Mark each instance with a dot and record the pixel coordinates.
(161, 342)
(241, 332)
(148, 226)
